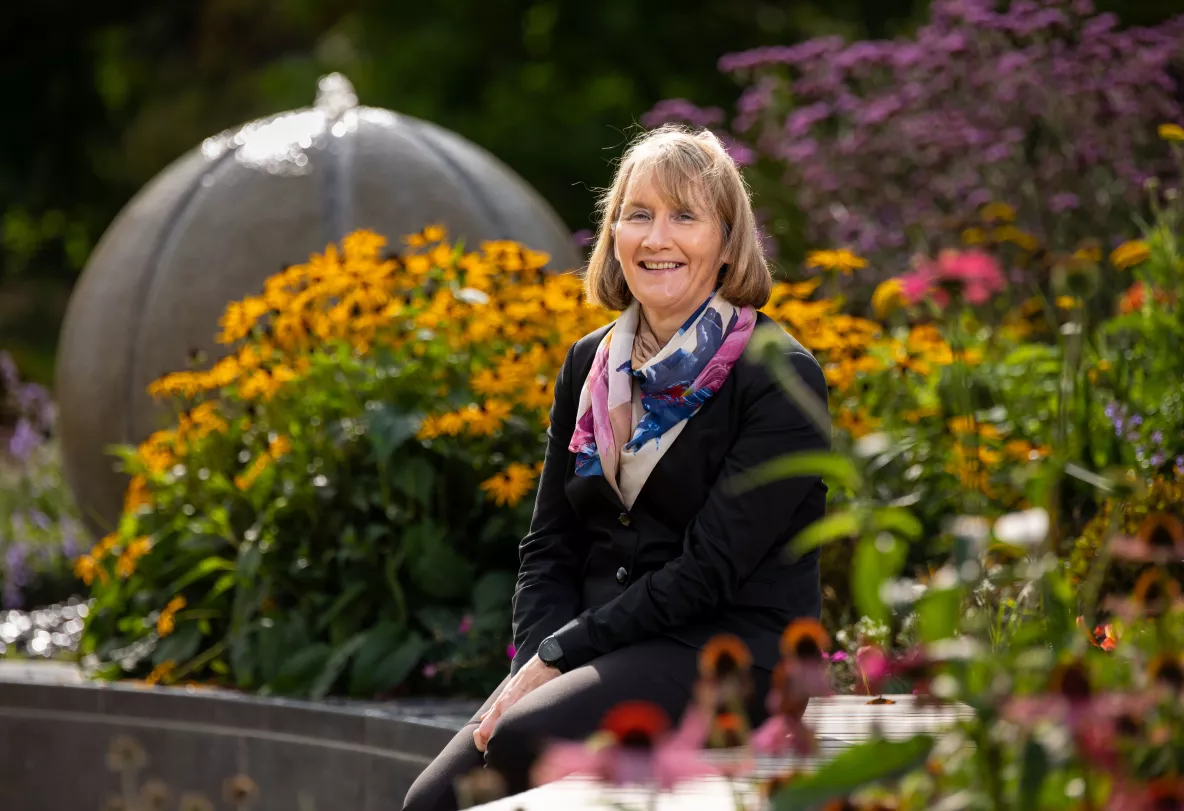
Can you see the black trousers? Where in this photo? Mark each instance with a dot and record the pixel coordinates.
(662, 671)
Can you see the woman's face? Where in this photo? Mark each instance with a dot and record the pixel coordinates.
(671, 256)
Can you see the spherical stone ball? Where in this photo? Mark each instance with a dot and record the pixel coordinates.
(244, 205)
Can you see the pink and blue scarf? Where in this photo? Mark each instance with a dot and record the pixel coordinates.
(622, 437)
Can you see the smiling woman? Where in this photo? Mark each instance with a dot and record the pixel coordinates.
(639, 553)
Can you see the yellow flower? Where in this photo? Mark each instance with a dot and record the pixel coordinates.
(1009, 233)
(1091, 252)
(435, 233)
(487, 419)
(1171, 132)
(841, 260)
(887, 298)
(1129, 254)
(244, 480)
(856, 422)
(1001, 212)
(962, 425)
(508, 487)
(137, 495)
(1069, 302)
(125, 567)
(160, 673)
(279, 446)
(86, 569)
(166, 623)
(974, 236)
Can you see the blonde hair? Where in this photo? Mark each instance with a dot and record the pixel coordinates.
(687, 167)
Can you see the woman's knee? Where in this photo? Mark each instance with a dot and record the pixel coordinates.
(517, 740)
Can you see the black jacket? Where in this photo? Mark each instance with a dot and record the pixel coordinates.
(689, 560)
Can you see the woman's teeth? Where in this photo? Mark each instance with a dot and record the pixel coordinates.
(661, 265)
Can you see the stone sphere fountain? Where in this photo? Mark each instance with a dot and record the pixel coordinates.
(240, 207)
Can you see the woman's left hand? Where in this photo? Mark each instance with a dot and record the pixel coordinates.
(532, 675)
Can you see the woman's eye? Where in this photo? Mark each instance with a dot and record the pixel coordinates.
(686, 215)
(638, 215)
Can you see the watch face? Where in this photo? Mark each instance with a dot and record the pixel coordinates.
(549, 651)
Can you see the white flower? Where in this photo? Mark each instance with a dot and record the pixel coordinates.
(1026, 528)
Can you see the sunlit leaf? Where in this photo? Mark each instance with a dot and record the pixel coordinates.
(859, 766)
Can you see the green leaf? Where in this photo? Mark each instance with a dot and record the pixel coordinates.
(199, 570)
(898, 520)
(353, 592)
(836, 469)
(301, 669)
(394, 668)
(180, 646)
(1034, 769)
(415, 478)
(938, 611)
(383, 638)
(388, 429)
(494, 591)
(830, 528)
(333, 667)
(859, 766)
(876, 560)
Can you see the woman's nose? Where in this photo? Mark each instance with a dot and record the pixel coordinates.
(657, 236)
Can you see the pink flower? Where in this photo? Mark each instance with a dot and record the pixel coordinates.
(873, 666)
(511, 651)
(633, 747)
(466, 624)
(430, 671)
(974, 275)
(839, 656)
(781, 734)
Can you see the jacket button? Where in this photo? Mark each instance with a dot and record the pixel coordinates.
(625, 519)
(622, 575)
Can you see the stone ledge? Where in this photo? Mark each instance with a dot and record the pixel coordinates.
(335, 754)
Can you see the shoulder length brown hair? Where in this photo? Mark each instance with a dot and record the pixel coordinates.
(688, 167)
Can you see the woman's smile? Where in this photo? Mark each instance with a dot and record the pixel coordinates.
(654, 266)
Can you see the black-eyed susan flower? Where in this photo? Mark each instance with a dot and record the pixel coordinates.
(1129, 254)
(511, 485)
(1171, 132)
(166, 623)
(841, 260)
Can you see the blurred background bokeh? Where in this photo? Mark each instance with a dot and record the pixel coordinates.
(100, 97)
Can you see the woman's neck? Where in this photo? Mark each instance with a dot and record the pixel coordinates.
(664, 325)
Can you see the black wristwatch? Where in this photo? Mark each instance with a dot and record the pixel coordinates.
(551, 654)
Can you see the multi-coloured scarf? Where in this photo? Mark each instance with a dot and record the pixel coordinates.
(622, 436)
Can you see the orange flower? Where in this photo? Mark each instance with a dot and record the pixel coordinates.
(1160, 539)
(636, 723)
(1071, 680)
(804, 638)
(1167, 670)
(724, 655)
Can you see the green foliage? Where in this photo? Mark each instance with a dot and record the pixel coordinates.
(338, 509)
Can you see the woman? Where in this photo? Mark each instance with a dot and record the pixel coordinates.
(638, 551)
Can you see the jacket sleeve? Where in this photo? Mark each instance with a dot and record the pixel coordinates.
(551, 555)
(726, 541)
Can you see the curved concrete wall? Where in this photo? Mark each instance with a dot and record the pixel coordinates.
(55, 738)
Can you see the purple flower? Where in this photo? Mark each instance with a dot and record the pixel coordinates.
(466, 624)
(24, 440)
(429, 671)
(1157, 437)
(16, 575)
(1063, 201)
(1157, 459)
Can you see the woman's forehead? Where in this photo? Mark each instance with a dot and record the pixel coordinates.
(650, 185)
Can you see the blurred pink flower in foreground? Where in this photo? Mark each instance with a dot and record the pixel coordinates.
(974, 275)
(633, 747)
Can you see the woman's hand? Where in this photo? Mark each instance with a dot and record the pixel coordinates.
(533, 674)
